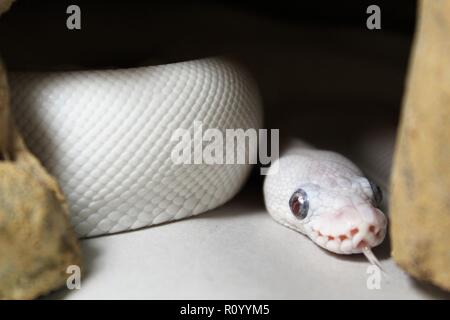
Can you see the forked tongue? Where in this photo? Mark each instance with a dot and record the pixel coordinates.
(372, 258)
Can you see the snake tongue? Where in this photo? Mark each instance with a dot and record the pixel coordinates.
(368, 253)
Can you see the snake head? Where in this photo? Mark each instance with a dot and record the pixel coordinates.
(339, 214)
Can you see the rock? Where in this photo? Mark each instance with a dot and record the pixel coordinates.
(37, 243)
(4, 5)
(420, 186)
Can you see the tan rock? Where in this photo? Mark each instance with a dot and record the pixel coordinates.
(37, 243)
(420, 200)
(4, 5)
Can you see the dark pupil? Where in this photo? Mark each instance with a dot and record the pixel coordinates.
(299, 204)
(295, 206)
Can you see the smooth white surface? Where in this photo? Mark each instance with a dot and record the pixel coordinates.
(233, 252)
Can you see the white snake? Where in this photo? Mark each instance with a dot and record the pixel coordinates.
(106, 136)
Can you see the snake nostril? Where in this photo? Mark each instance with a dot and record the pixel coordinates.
(343, 237)
(372, 228)
(330, 238)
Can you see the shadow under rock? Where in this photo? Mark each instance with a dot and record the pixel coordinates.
(431, 290)
(90, 254)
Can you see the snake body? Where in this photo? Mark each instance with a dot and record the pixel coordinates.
(107, 137)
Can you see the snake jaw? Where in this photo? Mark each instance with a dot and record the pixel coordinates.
(345, 244)
(353, 240)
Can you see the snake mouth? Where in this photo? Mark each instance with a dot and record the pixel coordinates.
(352, 241)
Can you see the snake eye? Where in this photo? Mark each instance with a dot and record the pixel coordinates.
(377, 193)
(299, 204)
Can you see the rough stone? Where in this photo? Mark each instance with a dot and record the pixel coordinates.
(37, 243)
(4, 5)
(420, 186)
